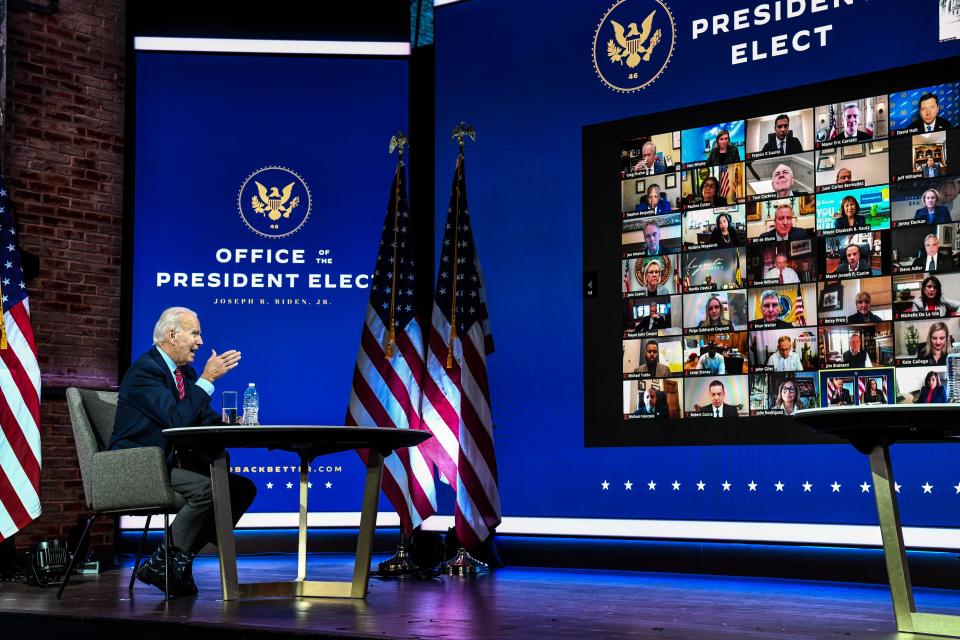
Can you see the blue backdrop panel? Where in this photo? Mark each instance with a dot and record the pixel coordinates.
(524, 75)
(204, 123)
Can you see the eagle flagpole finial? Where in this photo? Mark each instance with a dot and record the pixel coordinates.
(461, 131)
(398, 142)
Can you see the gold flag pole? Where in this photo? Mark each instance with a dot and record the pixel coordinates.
(461, 131)
(3, 324)
(397, 142)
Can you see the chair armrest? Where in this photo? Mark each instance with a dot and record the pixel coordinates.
(130, 479)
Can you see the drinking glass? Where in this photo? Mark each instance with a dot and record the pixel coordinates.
(229, 404)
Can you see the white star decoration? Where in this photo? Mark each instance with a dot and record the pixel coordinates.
(652, 485)
(628, 485)
(676, 485)
(725, 485)
(807, 486)
(779, 486)
(269, 485)
(605, 485)
(701, 485)
(289, 485)
(865, 488)
(752, 486)
(927, 487)
(328, 485)
(896, 486)
(957, 487)
(835, 486)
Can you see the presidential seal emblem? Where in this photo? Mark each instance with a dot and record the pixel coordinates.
(274, 202)
(628, 57)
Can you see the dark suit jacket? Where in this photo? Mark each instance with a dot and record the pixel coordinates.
(649, 323)
(793, 145)
(938, 125)
(841, 222)
(728, 411)
(660, 410)
(941, 215)
(844, 398)
(863, 265)
(148, 403)
(944, 262)
(861, 135)
(926, 173)
(939, 395)
(795, 234)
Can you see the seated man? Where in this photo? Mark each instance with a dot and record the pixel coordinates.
(654, 404)
(855, 262)
(931, 259)
(160, 391)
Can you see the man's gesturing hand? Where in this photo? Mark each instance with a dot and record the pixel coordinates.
(219, 365)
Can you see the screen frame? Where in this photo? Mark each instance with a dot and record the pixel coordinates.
(602, 327)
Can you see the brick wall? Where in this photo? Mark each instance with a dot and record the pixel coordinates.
(63, 151)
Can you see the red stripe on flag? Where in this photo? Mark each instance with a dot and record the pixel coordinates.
(8, 496)
(18, 443)
(372, 348)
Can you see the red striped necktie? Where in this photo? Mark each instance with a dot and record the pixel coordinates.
(178, 376)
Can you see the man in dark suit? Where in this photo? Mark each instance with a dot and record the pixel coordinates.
(161, 391)
(855, 261)
(932, 260)
(840, 397)
(654, 404)
(718, 406)
(650, 163)
(651, 322)
(781, 140)
(851, 125)
(928, 119)
(931, 169)
(783, 228)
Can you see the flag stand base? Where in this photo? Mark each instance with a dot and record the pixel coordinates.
(463, 564)
(401, 564)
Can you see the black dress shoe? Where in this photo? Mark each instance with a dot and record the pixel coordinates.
(152, 573)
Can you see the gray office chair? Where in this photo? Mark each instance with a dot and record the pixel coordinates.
(123, 482)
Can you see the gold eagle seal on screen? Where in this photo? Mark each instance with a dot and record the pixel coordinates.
(274, 202)
(628, 57)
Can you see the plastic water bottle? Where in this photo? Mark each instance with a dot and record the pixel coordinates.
(953, 374)
(251, 406)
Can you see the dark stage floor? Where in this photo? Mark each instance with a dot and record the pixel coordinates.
(511, 603)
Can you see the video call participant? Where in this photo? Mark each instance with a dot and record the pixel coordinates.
(653, 202)
(652, 364)
(782, 181)
(844, 176)
(781, 140)
(855, 356)
(931, 260)
(652, 405)
(784, 358)
(851, 125)
(931, 299)
(783, 228)
(932, 392)
(723, 152)
(713, 315)
(712, 361)
(781, 272)
(934, 351)
(651, 279)
(710, 192)
(928, 118)
(931, 169)
(723, 233)
(931, 211)
(839, 396)
(855, 262)
(872, 394)
(650, 163)
(651, 238)
(849, 215)
(771, 310)
(863, 313)
(650, 322)
(787, 397)
(718, 402)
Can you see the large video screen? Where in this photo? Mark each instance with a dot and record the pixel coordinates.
(805, 257)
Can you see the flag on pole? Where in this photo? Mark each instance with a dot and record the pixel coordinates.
(456, 398)
(799, 317)
(724, 181)
(19, 388)
(388, 377)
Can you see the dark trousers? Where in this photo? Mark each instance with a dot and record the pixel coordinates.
(194, 526)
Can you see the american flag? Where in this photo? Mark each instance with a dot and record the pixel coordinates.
(456, 399)
(798, 316)
(387, 379)
(20, 387)
(832, 130)
(626, 276)
(834, 385)
(724, 181)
